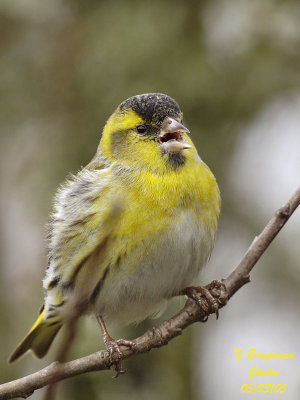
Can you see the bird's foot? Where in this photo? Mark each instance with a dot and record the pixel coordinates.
(213, 302)
(113, 348)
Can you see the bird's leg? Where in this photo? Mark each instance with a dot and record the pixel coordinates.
(113, 346)
(213, 303)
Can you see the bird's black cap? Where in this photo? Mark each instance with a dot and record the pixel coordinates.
(152, 107)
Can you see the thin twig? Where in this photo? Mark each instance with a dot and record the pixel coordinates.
(169, 329)
(241, 273)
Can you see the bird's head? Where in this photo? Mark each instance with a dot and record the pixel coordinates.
(147, 132)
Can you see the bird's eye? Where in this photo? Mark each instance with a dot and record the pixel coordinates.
(141, 128)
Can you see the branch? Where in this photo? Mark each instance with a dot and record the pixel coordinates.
(160, 336)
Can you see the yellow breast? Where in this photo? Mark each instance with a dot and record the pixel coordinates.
(154, 202)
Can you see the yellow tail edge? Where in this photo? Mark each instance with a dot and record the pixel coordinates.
(38, 339)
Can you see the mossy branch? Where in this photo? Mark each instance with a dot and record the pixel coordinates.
(169, 329)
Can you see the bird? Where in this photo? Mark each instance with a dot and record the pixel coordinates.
(132, 229)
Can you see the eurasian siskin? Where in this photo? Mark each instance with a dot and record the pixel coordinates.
(133, 228)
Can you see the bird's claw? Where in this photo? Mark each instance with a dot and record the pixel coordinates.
(216, 284)
(127, 343)
(115, 354)
(213, 303)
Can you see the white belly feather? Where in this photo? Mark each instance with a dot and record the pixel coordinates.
(172, 263)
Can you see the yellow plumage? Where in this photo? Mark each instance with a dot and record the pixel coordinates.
(38, 339)
(133, 228)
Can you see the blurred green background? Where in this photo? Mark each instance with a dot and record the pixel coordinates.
(233, 66)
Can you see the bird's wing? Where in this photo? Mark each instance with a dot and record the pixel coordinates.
(86, 211)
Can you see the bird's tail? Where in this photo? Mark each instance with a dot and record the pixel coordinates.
(38, 339)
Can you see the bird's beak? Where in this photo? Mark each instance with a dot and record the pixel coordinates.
(170, 137)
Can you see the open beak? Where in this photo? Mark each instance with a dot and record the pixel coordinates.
(170, 137)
